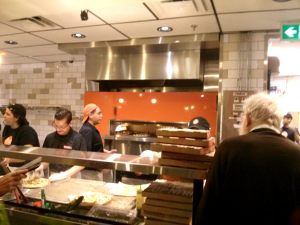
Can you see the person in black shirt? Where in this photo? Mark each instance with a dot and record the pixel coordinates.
(254, 178)
(92, 117)
(17, 132)
(63, 138)
(287, 130)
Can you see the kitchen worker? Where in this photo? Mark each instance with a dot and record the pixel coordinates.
(91, 117)
(63, 138)
(287, 130)
(255, 177)
(17, 132)
(199, 123)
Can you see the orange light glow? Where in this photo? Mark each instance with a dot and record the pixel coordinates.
(2, 53)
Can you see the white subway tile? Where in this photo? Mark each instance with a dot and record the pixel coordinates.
(254, 64)
(258, 36)
(33, 65)
(261, 45)
(41, 65)
(253, 83)
(233, 74)
(81, 69)
(225, 38)
(72, 69)
(233, 56)
(257, 55)
(230, 65)
(254, 46)
(77, 64)
(63, 70)
(229, 83)
(260, 83)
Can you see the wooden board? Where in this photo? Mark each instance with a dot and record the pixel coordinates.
(184, 149)
(169, 218)
(169, 204)
(169, 192)
(187, 133)
(150, 221)
(184, 163)
(200, 158)
(186, 141)
(167, 211)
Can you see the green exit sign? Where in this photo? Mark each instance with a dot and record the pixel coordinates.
(290, 32)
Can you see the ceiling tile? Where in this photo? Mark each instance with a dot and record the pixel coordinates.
(14, 9)
(124, 13)
(95, 33)
(33, 24)
(23, 40)
(253, 5)
(60, 58)
(73, 19)
(256, 20)
(18, 60)
(205, 24)
(6, 30)
(37, 50)
(169, 9)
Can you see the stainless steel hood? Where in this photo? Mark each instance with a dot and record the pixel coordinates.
(164, 63)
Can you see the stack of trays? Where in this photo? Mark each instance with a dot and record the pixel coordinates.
(185, 148)
(167, 204)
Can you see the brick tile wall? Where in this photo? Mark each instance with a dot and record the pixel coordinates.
(46, 85)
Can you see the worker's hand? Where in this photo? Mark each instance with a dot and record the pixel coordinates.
(4, 162)
(10, 181)
(56, 177)
(110, 151)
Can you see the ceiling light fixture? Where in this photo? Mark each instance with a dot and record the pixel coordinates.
(165, 29)
(84, 15)
(281, 0)
(78, 35)
(11, 42)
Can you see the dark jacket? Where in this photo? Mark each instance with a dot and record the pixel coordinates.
(92, 137)
(254, 179)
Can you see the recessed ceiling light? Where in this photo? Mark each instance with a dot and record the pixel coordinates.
(165, 29)
(78, 36)
(11, 42)
(281, 0)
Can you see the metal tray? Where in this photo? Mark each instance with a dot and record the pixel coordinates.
(58, 191)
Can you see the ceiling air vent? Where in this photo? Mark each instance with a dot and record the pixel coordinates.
(33, 23)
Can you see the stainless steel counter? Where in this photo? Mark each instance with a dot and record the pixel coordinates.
(131, 163)
(130, 138)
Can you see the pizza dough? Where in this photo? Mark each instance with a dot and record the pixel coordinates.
(91, 198)
(35, 183)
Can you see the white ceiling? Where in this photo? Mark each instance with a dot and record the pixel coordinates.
(123, 20)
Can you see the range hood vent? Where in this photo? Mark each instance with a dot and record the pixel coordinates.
(177, 63)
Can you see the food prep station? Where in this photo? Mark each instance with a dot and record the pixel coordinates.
(120, 210)
(132, 137)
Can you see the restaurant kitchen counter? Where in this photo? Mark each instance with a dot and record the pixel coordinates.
(131, 163)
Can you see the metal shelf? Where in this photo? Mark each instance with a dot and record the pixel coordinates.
(130, 163)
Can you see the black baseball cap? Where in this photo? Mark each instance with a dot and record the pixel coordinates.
(288, 115)
(199, 123)
(18, 110)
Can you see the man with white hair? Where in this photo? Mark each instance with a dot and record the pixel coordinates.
(255, 177)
